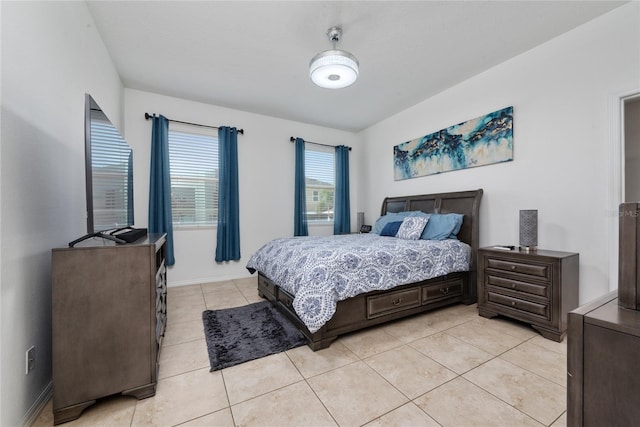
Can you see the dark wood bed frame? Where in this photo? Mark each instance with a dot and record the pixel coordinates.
(374, 308)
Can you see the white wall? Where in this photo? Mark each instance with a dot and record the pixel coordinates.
(560, 93)
(266, 172)
(51, 55)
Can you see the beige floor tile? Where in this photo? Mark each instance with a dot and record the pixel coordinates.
(451, 352)
(413, 328)
(410, 371)
(175, 291)
(247, 283)
(509, 326)
(355, 394)
(194, 300)
(225, 286)
(484, 336)
(461, 403)
(109, 411)
(558, 347)
(311, 363)
(408, 415)
(293, 405)
(45, 418)
(224, 299)
(184, 314)
(369, 342)
(221, 418)
(425, 324)
(182, 398)
(177, 333)
(260, 376)
(536, 396)
(561, 421)
(532, 357)
(185, 357)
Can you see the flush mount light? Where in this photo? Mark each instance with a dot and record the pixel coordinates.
(334, 69)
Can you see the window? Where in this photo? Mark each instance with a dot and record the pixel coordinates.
(320, 173)
(193, 158)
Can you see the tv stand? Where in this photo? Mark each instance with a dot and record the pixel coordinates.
(98, 234)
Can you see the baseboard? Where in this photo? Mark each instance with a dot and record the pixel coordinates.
(34, 412)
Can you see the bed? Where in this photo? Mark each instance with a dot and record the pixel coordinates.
(365, 307)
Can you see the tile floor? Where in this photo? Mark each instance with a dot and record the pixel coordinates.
(449, 367)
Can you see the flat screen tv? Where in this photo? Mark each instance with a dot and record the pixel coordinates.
(109, 175)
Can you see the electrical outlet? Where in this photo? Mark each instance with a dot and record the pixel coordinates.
(30, 359)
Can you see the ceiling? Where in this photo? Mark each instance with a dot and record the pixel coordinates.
(254, 55)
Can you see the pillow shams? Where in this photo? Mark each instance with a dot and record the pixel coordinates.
(391, 229)
(442, 226)
(412, 227)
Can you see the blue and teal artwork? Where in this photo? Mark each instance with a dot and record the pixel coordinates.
(481, 141)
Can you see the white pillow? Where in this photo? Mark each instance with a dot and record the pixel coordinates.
(412, 227)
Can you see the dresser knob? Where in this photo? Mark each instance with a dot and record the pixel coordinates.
(513, 285)
(513, 267)
(513, 303)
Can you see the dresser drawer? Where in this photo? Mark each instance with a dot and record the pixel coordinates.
(379, 305)
(542, 271)
(541, 290)
(519, 304)
(441, 290)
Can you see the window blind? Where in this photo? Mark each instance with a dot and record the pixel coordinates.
(320, 173)
(193, 159)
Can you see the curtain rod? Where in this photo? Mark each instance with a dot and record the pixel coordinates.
(292, 139)
(148, 116)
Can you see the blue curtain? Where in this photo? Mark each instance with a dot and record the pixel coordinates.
(228, 241)
(160, 220)
(300, 227)
(342, 217)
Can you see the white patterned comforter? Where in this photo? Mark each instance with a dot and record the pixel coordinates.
(320, 271)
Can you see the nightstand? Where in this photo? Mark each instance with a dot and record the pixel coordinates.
(538, 287)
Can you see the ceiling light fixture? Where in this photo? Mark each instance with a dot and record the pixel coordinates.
(334, 69)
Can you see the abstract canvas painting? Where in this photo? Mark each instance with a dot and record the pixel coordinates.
(481, 141)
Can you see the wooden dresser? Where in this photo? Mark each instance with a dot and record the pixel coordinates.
(603, 380)
(108, 320)
(538, 287)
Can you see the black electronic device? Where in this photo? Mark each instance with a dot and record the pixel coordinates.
(365, 228)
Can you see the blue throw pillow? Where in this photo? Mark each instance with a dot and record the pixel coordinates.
(391, 229)
(442, 226)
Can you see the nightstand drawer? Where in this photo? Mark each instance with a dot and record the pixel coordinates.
(516, 285)
(396, 301)
(542, 271)
(519, 304)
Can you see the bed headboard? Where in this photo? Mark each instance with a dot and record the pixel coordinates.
(463, 202)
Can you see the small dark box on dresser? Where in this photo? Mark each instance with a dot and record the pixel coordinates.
(629, 265)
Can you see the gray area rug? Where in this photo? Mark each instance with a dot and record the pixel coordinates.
(239, 334)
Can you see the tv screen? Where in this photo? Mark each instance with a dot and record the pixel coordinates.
(109, 172)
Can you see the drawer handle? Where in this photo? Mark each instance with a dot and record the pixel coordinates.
(397, 302)
(513, 303)
(513, 267)
(513, 285)
(287, 303)
(444, 291)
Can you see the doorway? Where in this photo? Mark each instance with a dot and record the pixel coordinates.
(631, 138)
